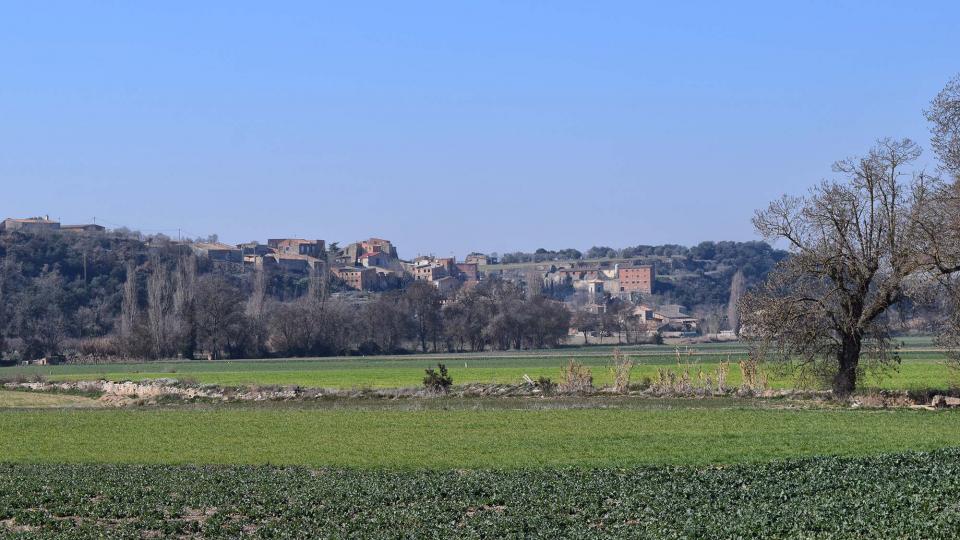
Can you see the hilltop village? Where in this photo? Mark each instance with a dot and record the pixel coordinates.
(604, 295)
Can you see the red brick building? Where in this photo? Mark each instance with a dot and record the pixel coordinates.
(636, 279)
(468, 271)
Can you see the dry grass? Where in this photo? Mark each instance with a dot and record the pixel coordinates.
(576, 377)
(754, 379)
(621, 368)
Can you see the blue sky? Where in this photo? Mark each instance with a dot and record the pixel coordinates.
(452, 126)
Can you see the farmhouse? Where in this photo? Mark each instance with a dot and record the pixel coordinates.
(478, 259)
(670, 320)
(34, 224)
(89, 228)
(295, 262)
(217, 251)
(255, 248)
(298, 246)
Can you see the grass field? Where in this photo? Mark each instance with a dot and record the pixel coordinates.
(465, 438)
(596, 466)
(921, 368)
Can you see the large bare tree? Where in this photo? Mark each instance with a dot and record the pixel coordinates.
(860, 245)
(944, 117)
(161, 314)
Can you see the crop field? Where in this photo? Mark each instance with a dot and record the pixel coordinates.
(595, 466)
(910, 495)
(469, 436)
(921, 368)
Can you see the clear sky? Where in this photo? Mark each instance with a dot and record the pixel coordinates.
(452, 126)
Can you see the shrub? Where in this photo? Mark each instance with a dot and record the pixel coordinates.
(721, 371)
(576, 377)
(99, 347)
(753, 377)
(546, 385)
(622, 365)
(438, 382)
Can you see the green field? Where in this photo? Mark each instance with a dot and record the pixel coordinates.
(892, 496)
(921, 368)
(571, 466)
(466, 437)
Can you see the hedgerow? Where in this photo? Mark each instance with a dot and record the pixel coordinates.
(911, 495)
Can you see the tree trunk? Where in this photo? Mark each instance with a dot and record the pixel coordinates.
(848, 358)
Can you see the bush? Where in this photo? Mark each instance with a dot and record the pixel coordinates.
(438, 382)
(576, 377)
(546, 385)
(369, 348)
(622, 365)
(99, 347)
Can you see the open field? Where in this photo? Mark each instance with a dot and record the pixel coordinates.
(465, 438)
(922, 367)
(891, 496)
(599, 466)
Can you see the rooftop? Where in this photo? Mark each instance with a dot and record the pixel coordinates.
(217, 246)
(31, 220)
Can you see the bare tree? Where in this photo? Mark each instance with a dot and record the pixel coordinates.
(129, 308)
(711, 317)
(39, 319)
(4, 315)
(424, 301)
(859, 244)
(256, 311)
(586, 322)
(944, 117)
(736, 292)
(256, 303)
(221, 324)
(943, 234)
(388, 322)
(184, 305)
(161, 316)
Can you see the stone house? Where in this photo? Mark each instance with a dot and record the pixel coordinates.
(34, 224)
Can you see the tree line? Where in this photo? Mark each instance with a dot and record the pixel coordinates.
(114, 298)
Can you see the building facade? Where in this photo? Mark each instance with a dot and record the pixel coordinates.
(360, 279)
(637, 279)
(36, 224)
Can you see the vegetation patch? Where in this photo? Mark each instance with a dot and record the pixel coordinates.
(681, 433)
(28, 399)
(910, 495)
